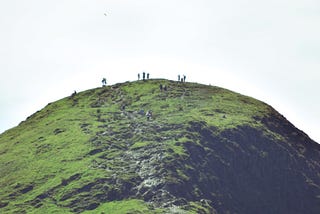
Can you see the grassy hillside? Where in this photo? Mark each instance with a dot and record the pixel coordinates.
(96, 152)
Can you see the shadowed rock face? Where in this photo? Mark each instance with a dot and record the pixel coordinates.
(244, 171)
(205, 150)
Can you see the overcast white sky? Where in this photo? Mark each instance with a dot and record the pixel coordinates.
(269, 50)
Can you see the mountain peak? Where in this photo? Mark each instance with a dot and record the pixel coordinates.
(158, 146)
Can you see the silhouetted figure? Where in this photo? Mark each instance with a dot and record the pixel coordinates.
(74, 94)
(138, 76)
(165, 88)
(184, 78)
(149, 115)
(143, 75)
(148, 75)
(104, 82)
(160, 87)
(179, 78)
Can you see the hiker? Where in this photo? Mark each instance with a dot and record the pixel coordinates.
(179, 78)
(73, 94)
(104, 81)
(160, 87)
(184, 78)
(149, 114)
(165, 88)
(143, 75)
(148, 75)
(138, 76)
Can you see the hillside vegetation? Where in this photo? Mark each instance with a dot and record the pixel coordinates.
(204, 150)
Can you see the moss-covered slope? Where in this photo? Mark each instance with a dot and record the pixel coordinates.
(204, 150)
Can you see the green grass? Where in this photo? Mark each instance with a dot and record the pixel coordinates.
(139, 145)
(36, 154)
(54, 144)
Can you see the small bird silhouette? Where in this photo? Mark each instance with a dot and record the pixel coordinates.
(105, 14)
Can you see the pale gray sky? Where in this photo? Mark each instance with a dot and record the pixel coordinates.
(269, 50)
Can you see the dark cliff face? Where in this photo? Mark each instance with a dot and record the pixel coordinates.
(203, 150)
(244, 171)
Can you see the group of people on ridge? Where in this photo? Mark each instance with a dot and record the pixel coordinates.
(144, 76)
(181, 78)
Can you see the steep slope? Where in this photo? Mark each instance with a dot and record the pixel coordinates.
(204, 150)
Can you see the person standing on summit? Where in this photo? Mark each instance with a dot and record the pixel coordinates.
(104, 82)
(143, 75)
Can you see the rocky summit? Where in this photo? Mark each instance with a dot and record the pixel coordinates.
(158, 146)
